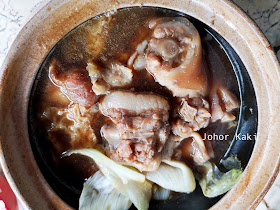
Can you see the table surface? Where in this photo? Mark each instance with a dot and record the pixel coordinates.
(266, 13)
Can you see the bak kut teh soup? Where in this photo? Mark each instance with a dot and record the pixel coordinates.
(123, 106)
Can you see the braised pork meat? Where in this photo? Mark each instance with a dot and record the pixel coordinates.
(140, 128)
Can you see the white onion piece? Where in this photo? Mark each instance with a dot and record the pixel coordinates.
(98, 191)
(173, 175)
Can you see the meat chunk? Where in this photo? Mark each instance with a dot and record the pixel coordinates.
(194, 114)
(55, 95)
(194, 149)
(191, 149)
(137, 59)
(74, 83)
(111, 134)
(222, 103)
(174, 57)
(190, 116)
(112, 75)
(140, 128)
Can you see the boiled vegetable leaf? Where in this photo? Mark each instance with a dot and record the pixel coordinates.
(173, 175)
(127, 181)
(98, 193)
(215, 183)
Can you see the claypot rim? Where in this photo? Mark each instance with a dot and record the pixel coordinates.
(222, 15)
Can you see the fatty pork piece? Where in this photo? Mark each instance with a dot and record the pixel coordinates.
(190, 149)
(222, 103)
(71, 123)
(137, 60)
(74, 83)
(174, 57)
(55, 95)
(139, 130)
(111, 75)
(193, 113)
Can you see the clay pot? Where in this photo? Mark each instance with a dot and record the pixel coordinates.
(57, 18)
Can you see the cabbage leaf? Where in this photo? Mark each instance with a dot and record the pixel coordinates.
(173, 175)
(160, 194)
(98, 193)
(215, 183)
(125, 180)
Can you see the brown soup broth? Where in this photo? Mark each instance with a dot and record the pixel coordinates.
(115, 41)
